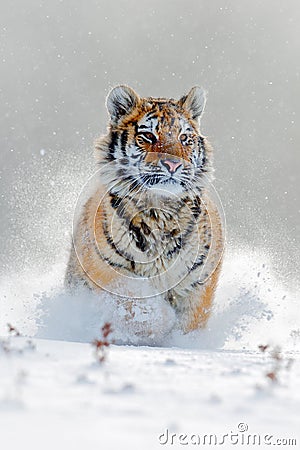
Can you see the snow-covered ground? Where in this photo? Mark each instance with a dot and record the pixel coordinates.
(57, 396)
(170, 391)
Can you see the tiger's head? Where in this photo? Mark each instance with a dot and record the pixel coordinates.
(154, 144)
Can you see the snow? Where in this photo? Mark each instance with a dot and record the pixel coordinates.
(54, 393)
(251, 308)
(58, 396)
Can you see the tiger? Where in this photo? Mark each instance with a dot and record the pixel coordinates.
(151, 216)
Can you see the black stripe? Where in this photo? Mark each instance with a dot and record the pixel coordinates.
(124, 138)
(112, 146)
(176, 249)
(110, 241)
(103, 257)
(136, 128)
(140, 240)
(196, 208)
(106, 259)
(160, 122)
(115, 201)
(202, 151)
(187, 233)
(199, 261)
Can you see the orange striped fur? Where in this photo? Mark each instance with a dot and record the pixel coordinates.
(151, 215)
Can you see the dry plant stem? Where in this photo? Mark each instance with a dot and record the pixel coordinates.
(103, 343)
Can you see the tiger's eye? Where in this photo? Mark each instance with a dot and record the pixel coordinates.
(183, 137)
(147, 137)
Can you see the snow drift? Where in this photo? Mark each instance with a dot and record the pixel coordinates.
(250, 308)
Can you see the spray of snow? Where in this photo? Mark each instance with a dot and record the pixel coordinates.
(251, 308)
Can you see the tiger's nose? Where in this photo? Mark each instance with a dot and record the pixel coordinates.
(172, 166)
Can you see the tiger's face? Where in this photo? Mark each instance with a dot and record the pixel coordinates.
(154, 144)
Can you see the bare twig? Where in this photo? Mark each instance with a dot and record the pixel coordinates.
(103, 343)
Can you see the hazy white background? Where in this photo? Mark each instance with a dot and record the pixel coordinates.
(60, 58)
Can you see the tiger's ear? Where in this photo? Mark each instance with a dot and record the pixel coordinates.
(120, 101)
(194, 102)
